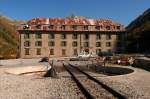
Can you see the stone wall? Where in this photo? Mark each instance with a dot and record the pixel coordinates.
(143, 63)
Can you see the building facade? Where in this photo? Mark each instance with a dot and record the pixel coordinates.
(69, 36)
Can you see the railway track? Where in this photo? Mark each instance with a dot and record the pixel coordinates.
(90, 86)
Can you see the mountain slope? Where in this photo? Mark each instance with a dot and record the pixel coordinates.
(138, 33)
(140, 22)
(8, 38)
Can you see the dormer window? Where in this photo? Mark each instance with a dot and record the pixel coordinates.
(63, 27)
(85, 27)
(108, 27)
(101, 26)
(118, 27)
(38, 26)
(74, 27)
(51, 26)
(97, 27)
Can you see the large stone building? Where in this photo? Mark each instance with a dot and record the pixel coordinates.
(69, 36)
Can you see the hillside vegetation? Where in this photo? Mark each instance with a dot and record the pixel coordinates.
(138, 34)
(8, 38)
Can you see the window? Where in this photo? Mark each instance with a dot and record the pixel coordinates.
(51, 51)
(118, 27)
(26, 36)
(38, 43)
(63, 27)
(51, 36)
(74, 36)
(38, 36)
(63, 36)
(38, 26)
(75, 52)
(63, 43)
(27, 43)
(98, 36)
(63, 52)
(86, 36)
(108, 27)
(108, 44)
(51, 43)
(27, 51)
(85, 27)
(98, 51)
(74, 44)
(74, 27)
(97, 27)
(86, 44)
(38, 51)
(51, 26)
(108, 36)
(98, 44)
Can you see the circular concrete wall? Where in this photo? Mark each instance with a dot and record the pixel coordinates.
(114, 70)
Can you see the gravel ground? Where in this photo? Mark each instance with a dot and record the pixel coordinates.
(134, 86)
(35, 87)
(92, 87)
(126, 89)
(96, 90)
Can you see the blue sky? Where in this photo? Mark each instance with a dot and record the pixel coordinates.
(122, 11)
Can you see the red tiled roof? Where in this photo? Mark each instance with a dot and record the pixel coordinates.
(73, 21)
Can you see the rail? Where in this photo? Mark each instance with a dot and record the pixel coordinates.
(83, 89)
